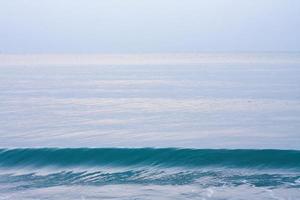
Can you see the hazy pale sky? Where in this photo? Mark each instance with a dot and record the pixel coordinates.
(148, 26)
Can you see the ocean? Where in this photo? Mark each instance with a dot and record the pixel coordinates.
(155, 126)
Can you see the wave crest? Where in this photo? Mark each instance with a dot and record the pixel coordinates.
(162, 157)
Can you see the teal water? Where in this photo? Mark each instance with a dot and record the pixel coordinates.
(23, 171)
(203, 126)
(150, 157)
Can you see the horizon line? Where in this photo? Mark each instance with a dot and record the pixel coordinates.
(143, 53)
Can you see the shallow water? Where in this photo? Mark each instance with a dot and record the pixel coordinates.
(232, 103)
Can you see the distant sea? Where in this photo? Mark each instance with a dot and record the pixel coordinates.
(150, 126)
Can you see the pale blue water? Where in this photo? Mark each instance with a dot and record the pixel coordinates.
(204, 105)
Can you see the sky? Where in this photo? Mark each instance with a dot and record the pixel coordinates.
(148, 26)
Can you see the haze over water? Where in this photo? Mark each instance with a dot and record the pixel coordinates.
(114, 100)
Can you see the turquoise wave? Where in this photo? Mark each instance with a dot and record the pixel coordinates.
(46, 167)
(151, 157)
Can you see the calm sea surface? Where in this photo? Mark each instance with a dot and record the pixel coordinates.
(152, 127)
